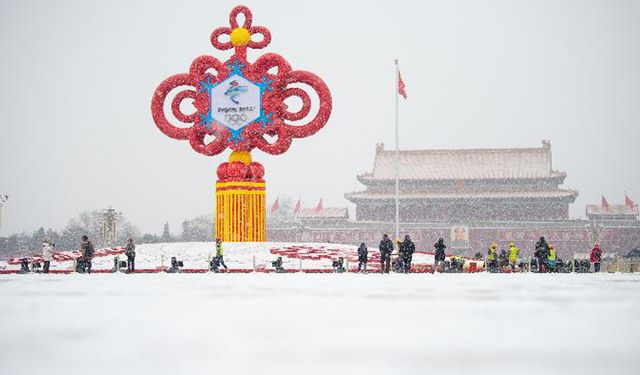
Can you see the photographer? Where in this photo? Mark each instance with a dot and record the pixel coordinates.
(406, 250)
(47, 254)
(492, 263)
(439, 255)
(596, 257)
(87, 250)
(513, 255)
(220, 253)
(130, 252)
(386, 248)
(542, 254)
(363, 252)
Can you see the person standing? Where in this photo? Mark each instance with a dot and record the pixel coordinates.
(513, 255)
(551, 260)
(542, 254)
(491, 258)
(439, 255)
(386, 248)
(130, 252)
(596, 257)
(406, 250)
(87, 250)
(220, 253)
(47, 254)
(363, 252)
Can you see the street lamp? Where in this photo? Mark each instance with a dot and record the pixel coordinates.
(595, 232)
(3, 199)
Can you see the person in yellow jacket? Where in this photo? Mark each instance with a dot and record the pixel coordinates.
(220, 254)
(551, 260)
(491, 257)
(513, 255)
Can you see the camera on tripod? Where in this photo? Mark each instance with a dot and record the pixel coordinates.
(35, 266)
(214, 265)
(176, 265)
(24, 265)
(338, 265)
(277, 264)
(119, 265)
(581, 266)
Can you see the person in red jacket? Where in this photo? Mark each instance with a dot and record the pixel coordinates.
(596, 257)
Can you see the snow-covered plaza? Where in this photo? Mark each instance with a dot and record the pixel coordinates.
(319, 323)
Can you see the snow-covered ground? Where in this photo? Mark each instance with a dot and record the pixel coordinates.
(319, 323)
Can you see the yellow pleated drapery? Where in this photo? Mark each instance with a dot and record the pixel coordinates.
(240, 211)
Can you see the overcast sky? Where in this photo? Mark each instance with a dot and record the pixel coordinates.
(76, 80)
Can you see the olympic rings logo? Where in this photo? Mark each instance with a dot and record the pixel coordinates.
(235, 119)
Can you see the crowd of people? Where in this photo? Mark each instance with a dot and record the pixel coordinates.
(83, 263)
(545, 258)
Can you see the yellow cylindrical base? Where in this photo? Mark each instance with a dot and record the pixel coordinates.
(241, 211)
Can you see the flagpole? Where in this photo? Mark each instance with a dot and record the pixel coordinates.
(397, 157)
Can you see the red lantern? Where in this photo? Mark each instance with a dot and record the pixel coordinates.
(257, 171)
(237, 170)
(222, 171)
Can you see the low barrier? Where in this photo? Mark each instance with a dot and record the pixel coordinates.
(204, 270)
(625, 265)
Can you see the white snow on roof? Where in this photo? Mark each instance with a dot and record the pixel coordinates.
(613, 209)
(508, 163)
(329, 212)
(467, 195)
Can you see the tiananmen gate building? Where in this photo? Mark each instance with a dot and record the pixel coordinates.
(469, 197)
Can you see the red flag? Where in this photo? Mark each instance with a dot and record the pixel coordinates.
(402, 90)
(627, 200)
(298, 206)
(319, 207)
(276, 205)
(605, 204)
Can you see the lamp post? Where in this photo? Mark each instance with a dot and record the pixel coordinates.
(595, 232)
(3, 199)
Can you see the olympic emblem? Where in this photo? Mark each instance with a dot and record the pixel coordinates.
(235, 120)
(234, 90)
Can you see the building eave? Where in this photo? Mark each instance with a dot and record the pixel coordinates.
(568, 195)
(369, 178)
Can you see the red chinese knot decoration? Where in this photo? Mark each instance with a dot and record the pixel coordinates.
(242, 105)
(238, 103)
